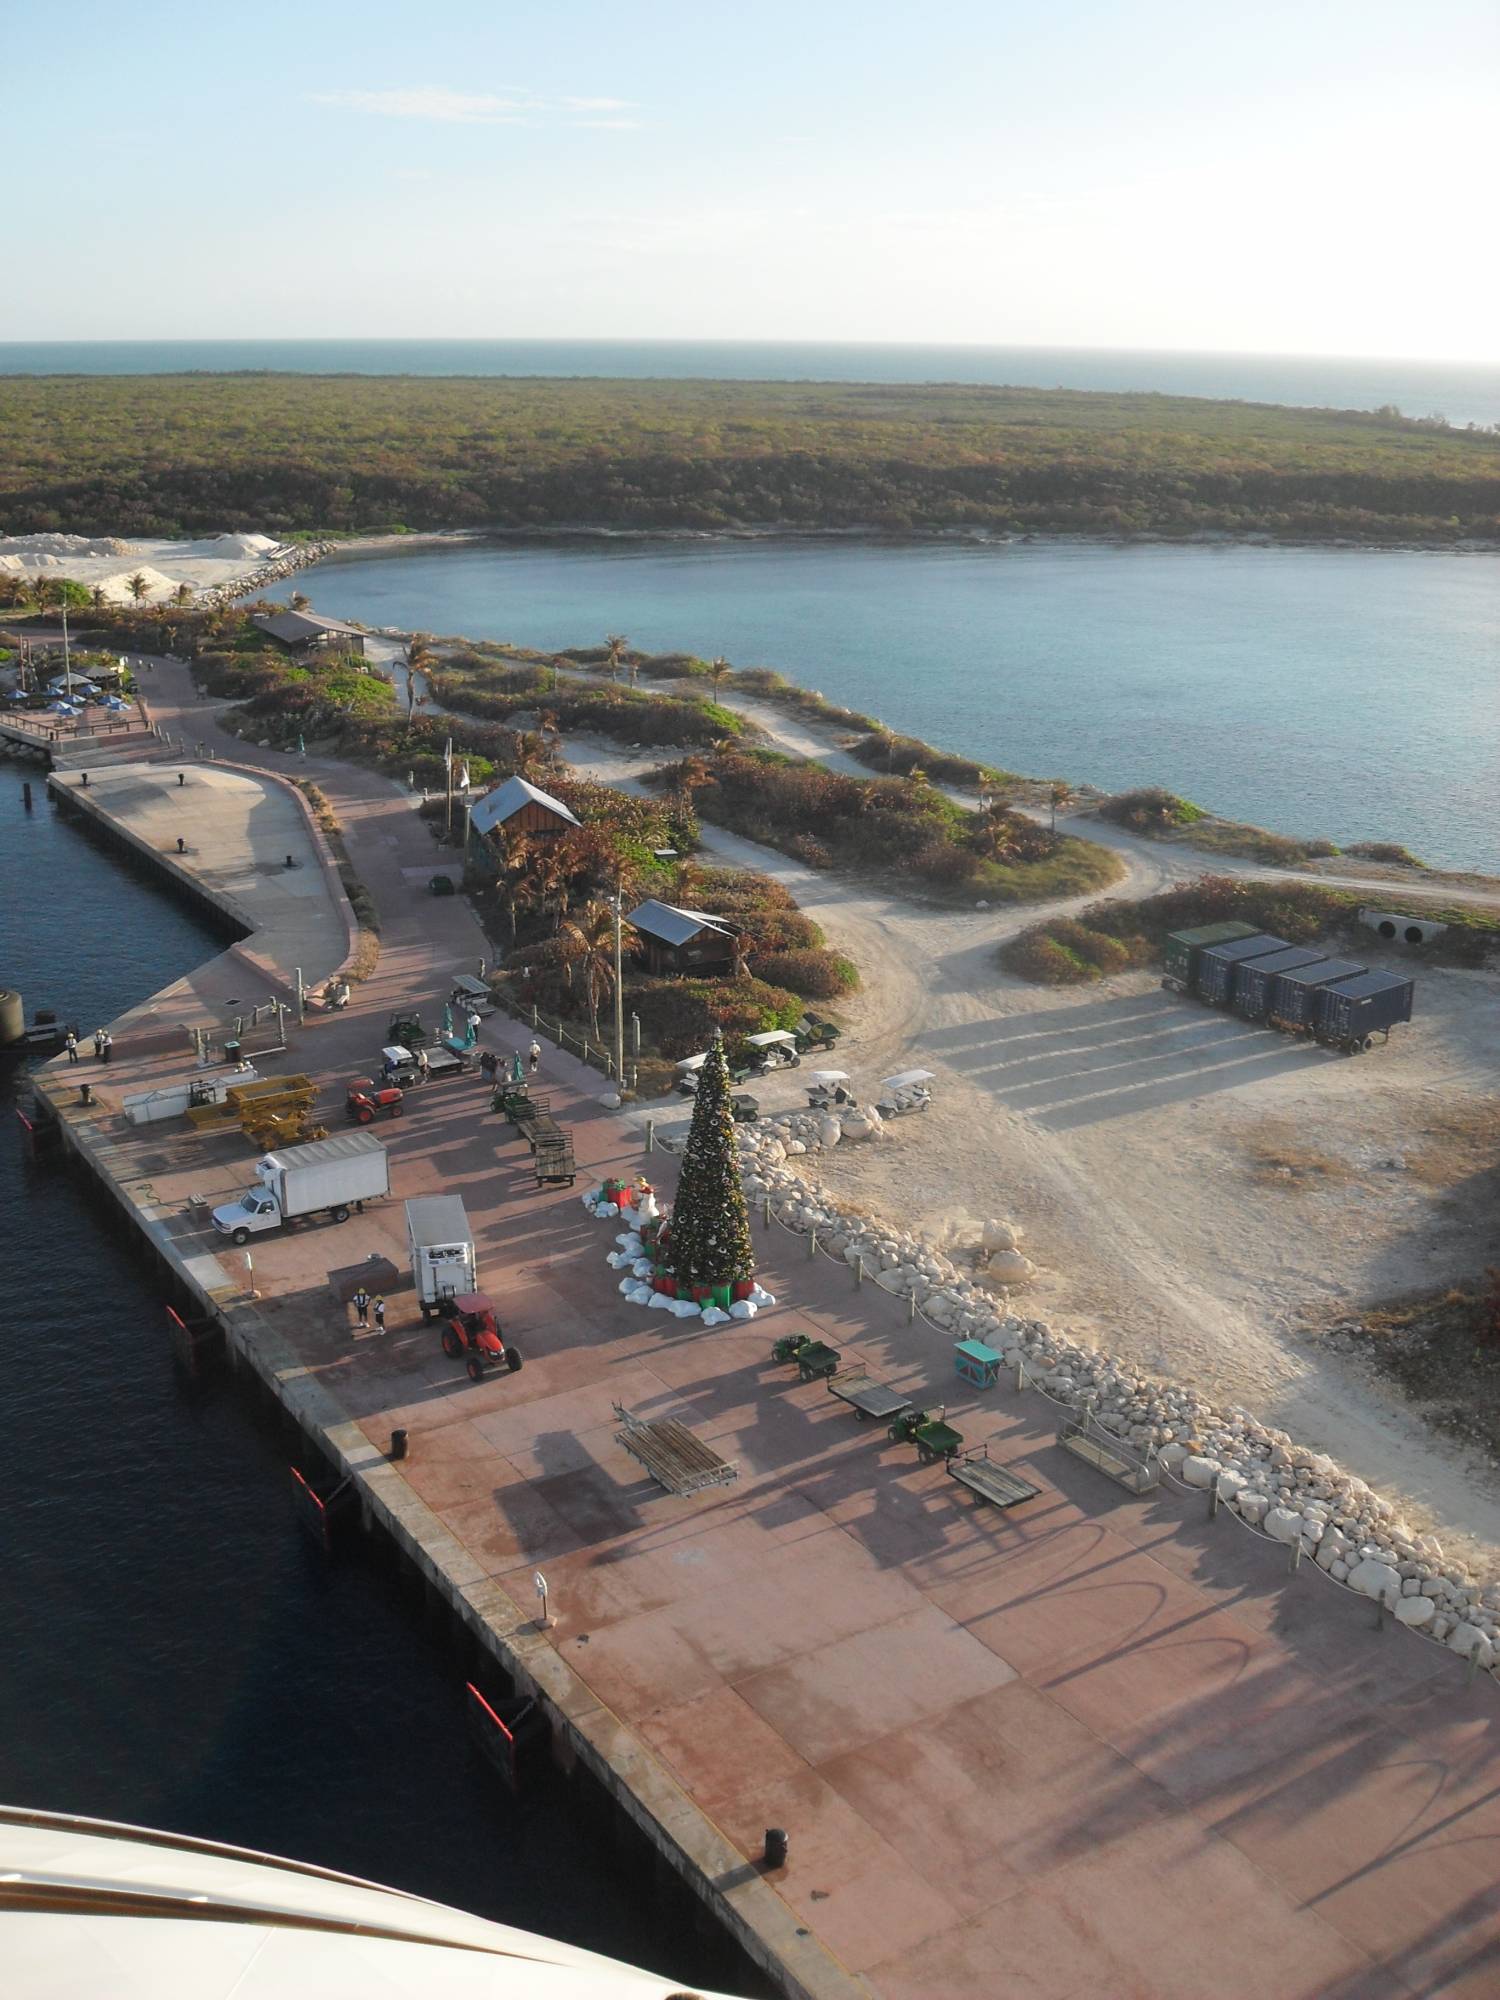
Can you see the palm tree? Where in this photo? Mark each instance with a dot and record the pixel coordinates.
(614, 649)
(300, 600)
(182, 596)
(1059, 796)
(96, 596)
(589, 940)
(44, 590)
(717, 669)
(138, 587)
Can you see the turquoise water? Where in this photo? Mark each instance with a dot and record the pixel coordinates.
(1464, 392)
(1345, 693)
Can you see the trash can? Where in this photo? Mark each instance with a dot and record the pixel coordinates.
(231, 1051)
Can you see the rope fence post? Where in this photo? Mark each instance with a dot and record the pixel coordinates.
(911, 1307)
(812, 1242)
(859, 1271)
(650, 1135)
(766, 1213)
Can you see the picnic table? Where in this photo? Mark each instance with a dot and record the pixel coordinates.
(669, 1451)
(866, 1396)
(988, 1481)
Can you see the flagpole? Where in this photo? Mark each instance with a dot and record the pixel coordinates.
(448, 763)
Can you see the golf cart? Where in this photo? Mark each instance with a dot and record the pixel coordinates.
(407, 1029)
(469, 1326)
(907, 1091)
(687, 1075)
(471, 995)
(775, 1050)
(813, 1032)
(399, 1065)
(829, 1090)
(367, 1099)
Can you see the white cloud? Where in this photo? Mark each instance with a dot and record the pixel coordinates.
(435, 104)
(447, 107)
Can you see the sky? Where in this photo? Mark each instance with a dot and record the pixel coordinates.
(1306, 178)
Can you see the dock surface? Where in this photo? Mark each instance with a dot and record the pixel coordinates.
(1094, 1745)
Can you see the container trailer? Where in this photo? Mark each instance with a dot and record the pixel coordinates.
(1254, 979)
(1294, 995)
(1347, 1014)
(1213, 976)
(1183, 948)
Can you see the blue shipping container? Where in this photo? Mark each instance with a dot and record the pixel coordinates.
(1350, 1012)
(1252, 981)
(1214, 972)
(1295, 994)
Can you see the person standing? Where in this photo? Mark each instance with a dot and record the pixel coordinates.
(421, 1065)
(487, 1062)
(379, 1311)
(534, 1055)
(361, 1305)
(70, 1043)
(109, 1044)
(98, 1045)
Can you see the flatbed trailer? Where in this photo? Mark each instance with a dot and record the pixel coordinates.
(867, 1397)
(675, 1458)
(988, 1481)
(554, 1162)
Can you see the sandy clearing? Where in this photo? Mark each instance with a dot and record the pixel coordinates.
(1123, 1128)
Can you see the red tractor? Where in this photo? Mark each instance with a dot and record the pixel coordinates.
(368, 1099)
(469, 1327)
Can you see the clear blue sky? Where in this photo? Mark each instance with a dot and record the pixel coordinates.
(1309, 178)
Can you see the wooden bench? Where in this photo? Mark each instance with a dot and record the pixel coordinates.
(674, 1457)
(1108, 1457)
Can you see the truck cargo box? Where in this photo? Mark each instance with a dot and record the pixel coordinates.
(1348, 1013)
(443, 1263)
(1183, 948)
(1251, 992)
(1295, 994)
(1213, 977)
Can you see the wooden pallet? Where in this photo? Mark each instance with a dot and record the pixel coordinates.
(674, 1457)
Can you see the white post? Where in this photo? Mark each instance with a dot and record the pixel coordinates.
(540, 1582)
(619, 998)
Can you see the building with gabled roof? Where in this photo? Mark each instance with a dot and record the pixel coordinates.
(305, 631)
(675, 940)
(517, 806)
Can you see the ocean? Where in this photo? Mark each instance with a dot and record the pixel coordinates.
(1463, 392)
(176, 1654)
(1349, 694)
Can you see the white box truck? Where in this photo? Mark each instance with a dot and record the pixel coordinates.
(330, 1177)
(443, 1264)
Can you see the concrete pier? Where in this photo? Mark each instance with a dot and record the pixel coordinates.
(1099, 1745)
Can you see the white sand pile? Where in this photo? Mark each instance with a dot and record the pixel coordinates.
(55, 551)
(242, 548)
(117, 589)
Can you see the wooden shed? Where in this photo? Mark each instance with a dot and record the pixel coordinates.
(518, 807)
(684, 941)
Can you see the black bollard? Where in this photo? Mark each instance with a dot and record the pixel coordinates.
(776, 1844)
(85, 1093)
(398, 1445)
(181, 778)
(289, 862)
(26, 796)
(181, 845)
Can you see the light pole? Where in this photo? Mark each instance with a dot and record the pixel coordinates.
(617, 904)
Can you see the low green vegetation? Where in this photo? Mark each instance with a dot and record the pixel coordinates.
(902, 830)
(471, 685)
(885, 751)
(298, 454)
(1112, 937)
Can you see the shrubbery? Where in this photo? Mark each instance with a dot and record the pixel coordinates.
(680, 1015)
(884, 751)
(630, 715)
(1149, 810)
(816, 975)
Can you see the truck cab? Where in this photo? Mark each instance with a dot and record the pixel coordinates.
(257, 1209)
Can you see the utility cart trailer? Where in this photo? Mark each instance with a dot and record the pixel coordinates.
(674, 1457)
(554, 1162)
(867, 1397)
(988, 1481)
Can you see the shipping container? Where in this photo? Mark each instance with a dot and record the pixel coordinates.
(1183, 948)
(1295, 994)
(1213, 976)
(1349, 1013)
(1251, 992)
(443, 1264)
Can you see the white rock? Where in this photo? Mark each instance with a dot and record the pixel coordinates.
(998, 1235)
(662, 1302)
(1252, 1507)
(1375, 1579)
(1415, 1610)
(829, 1132)
(1009, 1267)
(1282, 1525)
(747, 1308)
(715, 1316)
(1200, 1472)
(685, 1308)
(1464, 1638)
(795, 1146)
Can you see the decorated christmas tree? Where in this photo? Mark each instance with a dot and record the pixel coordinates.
(709, 1240)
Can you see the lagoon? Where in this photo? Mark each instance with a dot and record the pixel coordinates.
(1346, 693)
